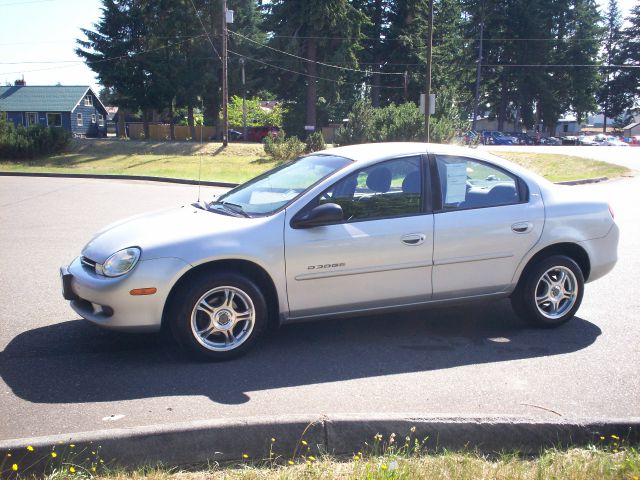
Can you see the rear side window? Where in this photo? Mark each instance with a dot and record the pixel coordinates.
(389, 189)
(467, 183)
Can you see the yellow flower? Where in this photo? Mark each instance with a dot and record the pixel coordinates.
(273, 440)
(601, 438)
(54, 454)
(356, 457)
(308, 462)
(72, 470)
(615, 450)
(290, 462)
(244, 455)
(8, 454)
(72, 445)
(93, 469)
(383, 466)
(304, 442)
(14, 467)
(30, 448)
(312, 458)
(413, 429)
(615, 437)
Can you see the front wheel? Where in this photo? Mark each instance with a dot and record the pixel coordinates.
(550, 293)
(218, 316)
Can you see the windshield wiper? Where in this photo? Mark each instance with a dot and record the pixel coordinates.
(231, 207)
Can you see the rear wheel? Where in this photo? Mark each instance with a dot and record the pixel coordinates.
(550, 293)
(218, 316)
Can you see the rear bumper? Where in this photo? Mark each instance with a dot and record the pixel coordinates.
(603, 253)
(107, 301)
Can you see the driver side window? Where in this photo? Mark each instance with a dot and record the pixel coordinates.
(386, 190)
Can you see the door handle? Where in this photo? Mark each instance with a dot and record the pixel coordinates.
(413, 239)
(522, 227)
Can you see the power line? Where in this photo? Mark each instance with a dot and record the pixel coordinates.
(206, 32)
(24, 3)
(308, 75)
(312, 61)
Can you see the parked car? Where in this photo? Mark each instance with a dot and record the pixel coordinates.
(498, 138)
(611, 141)
(588, 140)
(258, 134)
(377, 227)
(550, 141)
(522, 138)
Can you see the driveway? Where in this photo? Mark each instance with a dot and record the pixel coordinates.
(60, 374)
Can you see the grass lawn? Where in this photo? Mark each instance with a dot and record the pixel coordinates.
(573, 464)
(239, 162)
(560, 168)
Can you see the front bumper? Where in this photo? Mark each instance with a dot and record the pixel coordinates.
(107, 302)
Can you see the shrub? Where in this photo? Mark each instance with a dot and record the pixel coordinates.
(315, 142)
(283, 149)
(19, 143)
(359, 127)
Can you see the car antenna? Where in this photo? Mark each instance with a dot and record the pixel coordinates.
(200, 167)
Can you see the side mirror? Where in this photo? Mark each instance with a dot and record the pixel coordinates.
(324, 214)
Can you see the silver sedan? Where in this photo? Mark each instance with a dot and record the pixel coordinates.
(376, 227)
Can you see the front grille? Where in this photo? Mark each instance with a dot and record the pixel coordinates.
(87, 262)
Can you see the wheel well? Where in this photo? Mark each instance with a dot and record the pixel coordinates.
(571, 250)
(249, 269)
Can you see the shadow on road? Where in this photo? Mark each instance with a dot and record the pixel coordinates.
(75, 362)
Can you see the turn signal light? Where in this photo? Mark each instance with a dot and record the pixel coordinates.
(143, 291)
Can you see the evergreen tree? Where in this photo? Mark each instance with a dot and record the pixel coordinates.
(627, 83)
(610, 100)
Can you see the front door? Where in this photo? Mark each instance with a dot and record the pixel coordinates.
(380, 255)
(486, 223)
(32, 118)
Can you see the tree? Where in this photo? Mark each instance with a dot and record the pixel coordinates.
(611, 100)
(627, 83)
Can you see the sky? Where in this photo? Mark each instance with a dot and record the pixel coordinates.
(38, 38)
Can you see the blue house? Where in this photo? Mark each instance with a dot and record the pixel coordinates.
(77, 109)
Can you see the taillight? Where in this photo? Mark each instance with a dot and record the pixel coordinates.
(611, 212)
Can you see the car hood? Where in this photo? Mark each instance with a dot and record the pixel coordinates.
(160, 234)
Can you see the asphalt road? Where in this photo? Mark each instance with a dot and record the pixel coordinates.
(60, 374)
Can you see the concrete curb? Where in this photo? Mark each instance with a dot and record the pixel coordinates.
(145, 178)
(185, 181)
(584, 181)
(223, 440)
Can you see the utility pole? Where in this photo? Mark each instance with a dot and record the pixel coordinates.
(244, 103)
(478, 72)
(427, 96)
(406, 86)
(225, 84)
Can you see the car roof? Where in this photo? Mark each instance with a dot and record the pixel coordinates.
(367, 153)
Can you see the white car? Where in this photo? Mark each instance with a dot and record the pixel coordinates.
(363, 228)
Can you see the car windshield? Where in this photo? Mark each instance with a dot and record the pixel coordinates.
(274, 189)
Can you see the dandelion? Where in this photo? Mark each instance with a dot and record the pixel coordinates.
(93, 453)
(615, 450)
(383, 466)
(377, 437)
(14, 467)
(244, 455)
(101, 461)
(273, 440)
(308, 462)
(413, 429)
(312, 458)
(291, 462)
(304, 442)
(615, 437)
(356, 457)
(30, 448)
(93, 469)
(601, 438)
(393, 465)
(54, 454)
(72, 445)
(8, 454)
(72, 470)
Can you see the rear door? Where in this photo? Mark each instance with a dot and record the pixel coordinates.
(380, 255)
(485, 222)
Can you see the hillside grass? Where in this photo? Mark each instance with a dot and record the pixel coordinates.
(239, 162)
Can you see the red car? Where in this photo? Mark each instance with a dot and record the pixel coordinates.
(257, 134)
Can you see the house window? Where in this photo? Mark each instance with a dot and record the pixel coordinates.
(54, 119)
(101, 120)
(88, 101)
(93, 118)
(32, 118)
(565, 128)
(79, 119)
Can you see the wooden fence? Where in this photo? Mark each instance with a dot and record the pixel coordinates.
(161, 131)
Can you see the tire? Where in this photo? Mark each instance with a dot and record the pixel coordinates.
(218, 316)
(550, 293)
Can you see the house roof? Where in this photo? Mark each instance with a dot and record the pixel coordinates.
(631, 125)
(56, 98)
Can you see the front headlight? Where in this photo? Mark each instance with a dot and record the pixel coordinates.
(120, 262)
